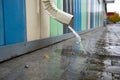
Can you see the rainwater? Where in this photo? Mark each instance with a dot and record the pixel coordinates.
(78, 38)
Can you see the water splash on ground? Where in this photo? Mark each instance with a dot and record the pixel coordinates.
(78, 38)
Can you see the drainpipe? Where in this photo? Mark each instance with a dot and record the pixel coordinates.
(57, 14)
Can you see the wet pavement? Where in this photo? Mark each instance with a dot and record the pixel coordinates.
(66, 61)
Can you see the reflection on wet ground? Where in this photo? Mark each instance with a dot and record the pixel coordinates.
(67, 62)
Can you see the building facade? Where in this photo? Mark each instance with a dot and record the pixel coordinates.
(27, 20)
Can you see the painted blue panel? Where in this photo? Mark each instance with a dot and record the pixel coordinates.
(1, 24)
(92, 14)
(75, 23)
(77, 15)
(15, 21)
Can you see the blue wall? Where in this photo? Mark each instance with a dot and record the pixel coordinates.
(14, 20)
(1, 24)
(92, 14)
(81, 20)
(77, 15)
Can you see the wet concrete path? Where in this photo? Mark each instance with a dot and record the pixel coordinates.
(65, 60)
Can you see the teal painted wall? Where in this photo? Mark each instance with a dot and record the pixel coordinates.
(84, 14)
(84, 19)
(77, 15)
(56, 28)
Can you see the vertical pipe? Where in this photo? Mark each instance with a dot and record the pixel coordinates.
(45, 22)
(33, 19)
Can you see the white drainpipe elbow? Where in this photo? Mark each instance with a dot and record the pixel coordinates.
(59, 15)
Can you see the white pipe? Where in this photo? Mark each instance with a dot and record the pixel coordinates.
(38, 7)
(59, 15)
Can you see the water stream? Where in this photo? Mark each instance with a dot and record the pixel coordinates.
(78, 38)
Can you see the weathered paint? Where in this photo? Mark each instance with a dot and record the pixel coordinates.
(1, 24)
(56, 28)
(14, 21)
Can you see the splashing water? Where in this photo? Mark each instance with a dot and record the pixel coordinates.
(75, 33)
(78, 37)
